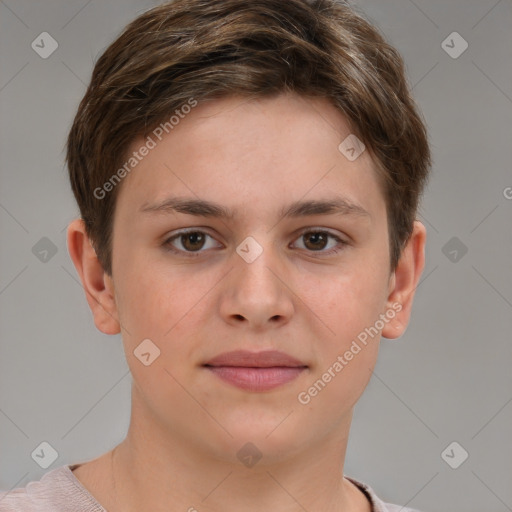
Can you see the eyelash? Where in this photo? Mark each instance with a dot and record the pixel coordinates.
(169, 247)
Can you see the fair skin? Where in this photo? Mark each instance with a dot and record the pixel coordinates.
(298, 296)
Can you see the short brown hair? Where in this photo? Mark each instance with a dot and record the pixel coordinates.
(206, 49)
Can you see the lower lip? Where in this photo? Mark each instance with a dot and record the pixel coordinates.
(256, 379)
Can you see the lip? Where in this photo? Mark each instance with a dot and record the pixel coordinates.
(264, 359)
(255, 371)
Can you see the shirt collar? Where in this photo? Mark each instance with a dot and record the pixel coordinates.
(376, 503)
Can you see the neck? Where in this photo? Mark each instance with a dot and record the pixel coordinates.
(153, 469)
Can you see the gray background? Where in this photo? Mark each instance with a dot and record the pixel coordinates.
(447, 379)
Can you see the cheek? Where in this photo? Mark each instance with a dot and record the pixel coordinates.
(157, 308)
(343, 304)
(348, 306)
(347, 346)
(161, 305)
(149, 296)
(141, 307)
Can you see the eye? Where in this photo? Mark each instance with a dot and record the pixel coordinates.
(191, 241)
(317, 240)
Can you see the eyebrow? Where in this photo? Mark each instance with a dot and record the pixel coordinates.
(203, 208)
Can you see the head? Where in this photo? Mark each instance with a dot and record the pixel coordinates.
(246, 105)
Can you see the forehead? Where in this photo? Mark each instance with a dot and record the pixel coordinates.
(250, 154)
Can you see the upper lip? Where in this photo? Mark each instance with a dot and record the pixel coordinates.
(245, 358)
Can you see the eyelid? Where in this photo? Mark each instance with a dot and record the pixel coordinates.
(319, 229)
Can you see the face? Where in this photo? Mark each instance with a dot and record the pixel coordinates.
(304, 281)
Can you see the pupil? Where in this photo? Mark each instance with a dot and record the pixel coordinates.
(194, 238)
(316, 237)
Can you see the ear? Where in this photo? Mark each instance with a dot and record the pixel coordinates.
(403, 282)
(98, 285)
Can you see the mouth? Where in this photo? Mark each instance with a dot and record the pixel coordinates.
(255, 371)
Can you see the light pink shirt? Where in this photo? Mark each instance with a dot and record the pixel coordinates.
(60, 491)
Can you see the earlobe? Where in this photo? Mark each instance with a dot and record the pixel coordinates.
(404, 281)
(98, 286)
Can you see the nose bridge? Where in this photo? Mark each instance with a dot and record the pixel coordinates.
(257, 256)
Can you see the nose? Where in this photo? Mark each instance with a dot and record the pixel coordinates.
(258, 291)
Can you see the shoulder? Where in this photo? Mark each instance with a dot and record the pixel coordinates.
(377, 504)
(56, 491)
